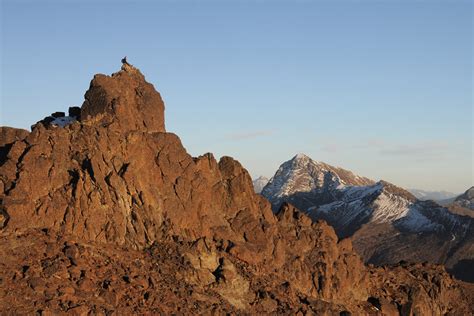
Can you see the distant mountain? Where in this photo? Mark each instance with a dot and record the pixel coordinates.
(466, 199)
(462, 204)
(446, 202)
(259, 184)
(432, 195)
(387, 223)
(302, 175)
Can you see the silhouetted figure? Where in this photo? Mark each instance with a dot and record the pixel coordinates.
(124, 61)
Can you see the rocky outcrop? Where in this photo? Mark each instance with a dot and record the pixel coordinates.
(123, 102)
(111, 214)
(9, 135)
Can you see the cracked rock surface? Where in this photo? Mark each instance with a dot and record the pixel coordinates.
(110, 215)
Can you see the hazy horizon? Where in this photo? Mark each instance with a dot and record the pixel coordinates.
(381, 88)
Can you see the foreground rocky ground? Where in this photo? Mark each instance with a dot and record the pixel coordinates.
(50, 275)
(108, 214)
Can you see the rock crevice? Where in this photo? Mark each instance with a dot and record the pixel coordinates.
(148, 228)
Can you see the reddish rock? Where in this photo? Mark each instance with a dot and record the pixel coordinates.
(112, 215)
(125, 101)
(9, 135)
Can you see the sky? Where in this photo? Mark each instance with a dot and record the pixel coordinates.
(382, 88)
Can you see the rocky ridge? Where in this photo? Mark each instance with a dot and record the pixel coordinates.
(108, 214)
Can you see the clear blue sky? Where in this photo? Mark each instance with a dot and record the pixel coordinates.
(383, 88)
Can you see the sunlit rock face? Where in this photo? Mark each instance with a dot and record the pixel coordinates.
(109, 214)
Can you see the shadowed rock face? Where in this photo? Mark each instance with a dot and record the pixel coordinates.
(111, 214)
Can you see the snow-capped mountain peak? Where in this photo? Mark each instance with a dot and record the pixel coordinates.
(347, 201)
(386, 223)
(300, 156)
(303, 174)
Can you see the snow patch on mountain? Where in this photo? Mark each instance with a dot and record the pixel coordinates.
(63, 121)
(346, 200)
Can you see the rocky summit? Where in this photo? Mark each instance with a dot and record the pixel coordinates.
(104, 212)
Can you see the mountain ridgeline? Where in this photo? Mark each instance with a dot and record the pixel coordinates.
(104, 212)
(386, 223)
(437, 196)
(466, 199)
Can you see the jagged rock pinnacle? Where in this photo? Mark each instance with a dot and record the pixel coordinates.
(124, 101)
(112, 215)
